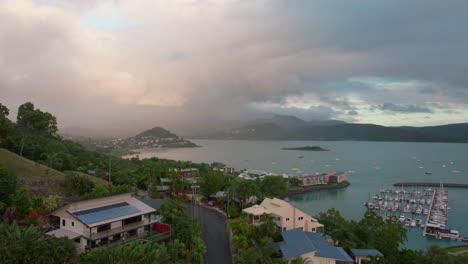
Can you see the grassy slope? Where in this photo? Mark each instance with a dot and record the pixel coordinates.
(26, 169)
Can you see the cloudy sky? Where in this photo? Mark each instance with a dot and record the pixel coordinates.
(133, 64)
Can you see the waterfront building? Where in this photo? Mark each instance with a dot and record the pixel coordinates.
(363, 256)
(310, 246)
(103, 221)
(321, 179)
(286, 216)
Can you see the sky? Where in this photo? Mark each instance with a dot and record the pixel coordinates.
(127, 65)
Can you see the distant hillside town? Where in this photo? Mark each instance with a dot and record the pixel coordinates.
(156, 137)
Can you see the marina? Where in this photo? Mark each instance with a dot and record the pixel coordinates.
(411, 207)
(427, 209)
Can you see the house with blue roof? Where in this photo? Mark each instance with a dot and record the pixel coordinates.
(312, 246)
(363, 256)
(104, 221)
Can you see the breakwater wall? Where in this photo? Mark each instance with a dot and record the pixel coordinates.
(430, 184)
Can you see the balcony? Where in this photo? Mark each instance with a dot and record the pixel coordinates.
(122, 229)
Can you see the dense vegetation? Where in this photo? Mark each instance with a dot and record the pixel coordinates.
(158, 132)
(43, 156)
(253, 244)
(386, 235)
(29, 245)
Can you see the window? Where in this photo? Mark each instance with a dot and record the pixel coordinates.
(103, 228)
(73, 223)
(300, 218)
(284, 228)
(131, 220)
(77, 240)
(287, 219)
(63, 222)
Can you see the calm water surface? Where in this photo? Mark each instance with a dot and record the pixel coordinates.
(371, 166)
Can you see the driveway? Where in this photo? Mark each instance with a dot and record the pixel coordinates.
(214, 233)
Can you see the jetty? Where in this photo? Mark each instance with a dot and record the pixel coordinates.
(430, 184)
(437, 220)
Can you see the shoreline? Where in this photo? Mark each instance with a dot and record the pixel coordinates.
(341, 185)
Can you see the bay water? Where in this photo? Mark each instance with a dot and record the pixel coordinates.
(370, 166)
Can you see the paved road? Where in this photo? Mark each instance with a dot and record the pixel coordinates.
(458, 253)
(214, 233)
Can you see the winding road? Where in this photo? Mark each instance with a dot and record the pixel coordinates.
(214, 233)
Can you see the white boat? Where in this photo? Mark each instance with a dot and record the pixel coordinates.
(412, 223)
(407, 221)
(419, 210)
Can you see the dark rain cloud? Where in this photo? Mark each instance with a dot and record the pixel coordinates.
(404, 108)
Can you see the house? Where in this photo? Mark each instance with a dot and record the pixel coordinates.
(218, 166)
(310, 246)
(286, 216)
(363, 256)
(188, 173)
(103, 221)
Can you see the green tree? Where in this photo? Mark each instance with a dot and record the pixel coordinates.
(76, 184)
(29, 245)
(98, 191)
(52, 202)
(133, 252)
(7, 185)
(384, 235)
(274, 186)
(22, 202)
(241, 190)
(34, 122)
(6, 126)
(212, 182)
(172, 211)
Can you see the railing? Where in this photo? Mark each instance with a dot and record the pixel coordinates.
(121, 229)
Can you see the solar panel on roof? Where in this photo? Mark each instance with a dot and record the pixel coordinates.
(104, 213)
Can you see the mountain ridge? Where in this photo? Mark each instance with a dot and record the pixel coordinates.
(333, 130)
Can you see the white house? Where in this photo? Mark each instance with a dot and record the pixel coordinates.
(286, 216)
(103, 221)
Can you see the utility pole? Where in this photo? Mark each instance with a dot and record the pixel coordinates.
(110, 170)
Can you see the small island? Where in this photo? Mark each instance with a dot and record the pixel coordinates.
(307, 148)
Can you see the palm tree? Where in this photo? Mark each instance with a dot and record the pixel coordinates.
(301, 260)
(50, 158)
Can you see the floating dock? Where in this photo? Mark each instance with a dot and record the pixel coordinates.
(437, 220)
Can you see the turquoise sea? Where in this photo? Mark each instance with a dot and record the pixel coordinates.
(371, 166)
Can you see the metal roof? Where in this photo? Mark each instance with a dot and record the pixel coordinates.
(104, 213)
(325, 250)
(365, 252)
(297, 243)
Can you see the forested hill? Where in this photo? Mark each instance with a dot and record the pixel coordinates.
(156, 137)
(156, 132)
(343, 131)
